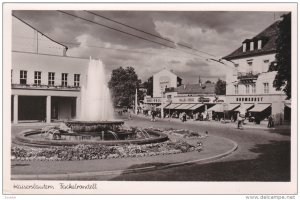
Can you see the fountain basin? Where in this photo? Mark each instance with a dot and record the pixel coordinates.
(94, 126)
(35, 138)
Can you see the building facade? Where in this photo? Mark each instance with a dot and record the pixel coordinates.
(45, 82)
(164, 79)
(251, 82)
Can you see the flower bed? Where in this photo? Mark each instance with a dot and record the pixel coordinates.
(92, 152)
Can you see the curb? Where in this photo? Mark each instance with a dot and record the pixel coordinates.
(123, 171)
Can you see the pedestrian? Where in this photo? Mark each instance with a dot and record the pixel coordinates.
(184, 117)
(270, 122)
(239, 120)
(153, 116)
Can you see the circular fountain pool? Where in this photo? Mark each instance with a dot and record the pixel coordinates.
(89, 132)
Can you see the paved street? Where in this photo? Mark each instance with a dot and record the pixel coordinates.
(263, 155)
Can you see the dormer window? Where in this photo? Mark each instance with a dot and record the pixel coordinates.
(251, 46)
(244, 47)
(259, 44)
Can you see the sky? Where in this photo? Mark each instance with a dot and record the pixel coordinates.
(213, 34)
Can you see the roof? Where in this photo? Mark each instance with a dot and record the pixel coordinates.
(170, 71)
(66, 47)
(208, 88)
(269, 35)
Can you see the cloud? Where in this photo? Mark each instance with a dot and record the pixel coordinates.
(218, 33)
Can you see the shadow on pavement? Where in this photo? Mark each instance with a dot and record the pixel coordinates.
(272, 164)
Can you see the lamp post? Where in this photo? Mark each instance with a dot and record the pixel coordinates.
(136, 104)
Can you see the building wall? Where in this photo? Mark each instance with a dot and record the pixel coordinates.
(27, 39)
(48, 63)
(272, 96)
(161, 80)
(259, 63)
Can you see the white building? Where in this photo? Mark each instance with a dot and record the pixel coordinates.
(164, 79)
(45, 82)
(251, 85)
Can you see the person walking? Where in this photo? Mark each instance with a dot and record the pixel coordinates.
(184, 117)
(270, 122)
(239, 120)
(152, 116)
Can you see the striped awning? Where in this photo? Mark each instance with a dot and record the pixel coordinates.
(172, 106)
(162, 106)
(217, 108)
(182, 106)
(232, 107)
(245, 108)
(196, 106)
(260, 107)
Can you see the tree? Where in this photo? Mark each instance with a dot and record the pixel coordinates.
(149, 86)
(282, 80)
(123, 83)
(208, 82)
(220, 87)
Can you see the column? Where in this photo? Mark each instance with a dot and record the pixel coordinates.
(48, 109)
(16, 109)
(162, 111)
(78, 107)
(205, 108)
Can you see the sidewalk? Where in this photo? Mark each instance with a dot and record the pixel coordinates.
(263, 125)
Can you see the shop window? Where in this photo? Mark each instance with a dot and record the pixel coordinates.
(64, 79)
(266, 88)
(77, 80)
(51, 78)
(37, 77)
(23, 77)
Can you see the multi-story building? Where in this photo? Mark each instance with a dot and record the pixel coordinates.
(251, 82)
(45, 82)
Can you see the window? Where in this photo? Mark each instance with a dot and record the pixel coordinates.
(266, 88)
(266, 61)
(237, 99)
(236, 64)
(251, 99)
(236, 89)
(247, 89)
(37, 77)
(77, 80)
(244, 47)
(250, 62)
(64, 79)
(259, 44)
(23, 77)
(242, 99)
(253, 88)
(251, 46)
(51, 78)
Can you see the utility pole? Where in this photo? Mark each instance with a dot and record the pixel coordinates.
(136, 104)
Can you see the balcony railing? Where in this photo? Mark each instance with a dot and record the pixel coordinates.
(44, 87)
(247, 76)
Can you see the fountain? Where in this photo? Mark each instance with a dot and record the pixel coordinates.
(96, 124)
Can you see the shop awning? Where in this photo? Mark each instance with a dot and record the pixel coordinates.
(162, 106)
(172, 106)
(232, 107)
(182, 106)
(245, 108)
(194, 107)
(260, 107)
(217, 108)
